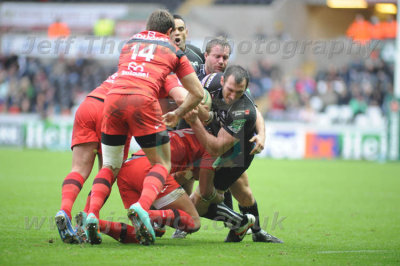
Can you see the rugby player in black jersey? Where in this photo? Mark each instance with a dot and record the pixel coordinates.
(179, 35)
(216, 56)
(232, 131)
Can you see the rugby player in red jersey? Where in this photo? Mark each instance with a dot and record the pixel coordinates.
(174, 208)
(132, 108)
(85, 144)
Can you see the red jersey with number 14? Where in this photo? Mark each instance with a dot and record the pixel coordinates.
(145, 62)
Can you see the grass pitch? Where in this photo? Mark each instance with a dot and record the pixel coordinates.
(327, 212)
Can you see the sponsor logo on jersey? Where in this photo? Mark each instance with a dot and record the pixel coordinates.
(151, 35)
(237, 125)
(238, 113)
(134, 74)
(133, 67)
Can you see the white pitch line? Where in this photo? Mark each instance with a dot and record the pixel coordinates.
(351, 251)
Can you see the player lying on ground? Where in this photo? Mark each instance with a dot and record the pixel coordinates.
(186, 152)
(174, 208)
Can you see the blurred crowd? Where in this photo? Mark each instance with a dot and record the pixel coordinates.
(57, 86)
(357, 86)
(363, 31)
(31, 85)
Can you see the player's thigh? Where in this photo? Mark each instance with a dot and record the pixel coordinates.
(144, 119)
(114, 130)
(87, 122)
(160, 154)
(116, 114)
(83, 156)
(128, 195)
(185, 204)
(130, 178)
(226, 176)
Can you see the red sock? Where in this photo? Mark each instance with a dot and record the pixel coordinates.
(152, 185)
(87, 205)
(174, 218)
(71, 187)
(121, 232)
(101, 189)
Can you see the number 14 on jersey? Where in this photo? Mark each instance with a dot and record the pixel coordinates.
(147, 52)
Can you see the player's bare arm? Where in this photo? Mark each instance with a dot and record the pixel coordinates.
(216, 146)
(194, 97)
(259, 139)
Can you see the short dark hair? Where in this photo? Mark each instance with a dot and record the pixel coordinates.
(238, 72)
(161, 21)
(176, 16)
(218, 41)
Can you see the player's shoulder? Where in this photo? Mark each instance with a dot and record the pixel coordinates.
(212, 82)
(248, 97)
(157, 38)
(195, 51)
(194, 48)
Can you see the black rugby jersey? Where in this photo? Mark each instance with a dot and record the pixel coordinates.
(195, 56)
(238, 119)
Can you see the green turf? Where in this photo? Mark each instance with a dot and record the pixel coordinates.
(327, 212)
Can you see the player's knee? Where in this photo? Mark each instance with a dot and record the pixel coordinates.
(164, 164)
(115, 171)
(195, 227)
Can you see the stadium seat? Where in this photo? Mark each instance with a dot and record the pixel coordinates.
(345, 114)
(361, 120)
(375, 116)
(333, 112)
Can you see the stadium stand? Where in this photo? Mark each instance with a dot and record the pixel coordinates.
(284, 89)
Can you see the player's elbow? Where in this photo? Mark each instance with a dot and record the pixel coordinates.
(214, 151)
(199, 94)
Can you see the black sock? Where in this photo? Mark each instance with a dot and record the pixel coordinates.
(228, 199)
(221, 212)
(252, 210)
